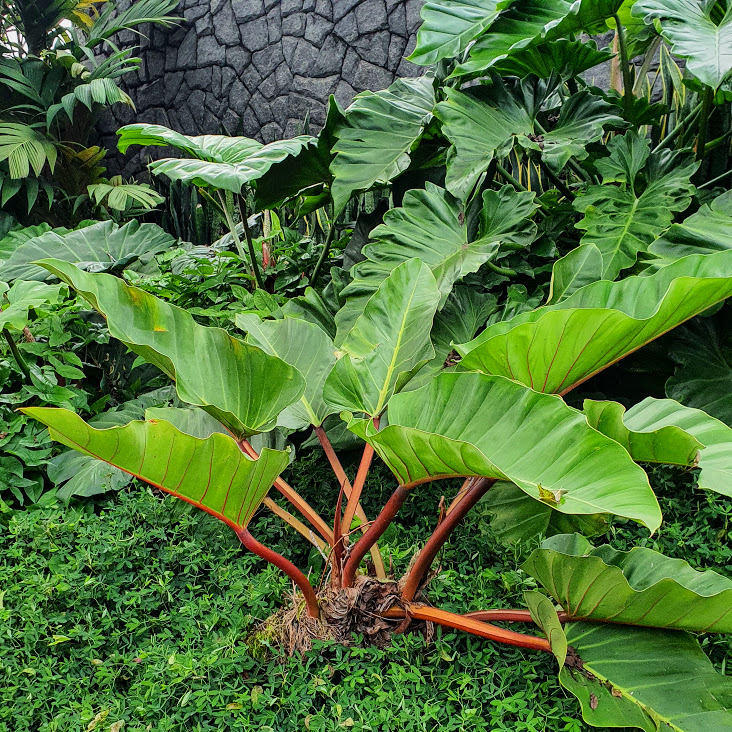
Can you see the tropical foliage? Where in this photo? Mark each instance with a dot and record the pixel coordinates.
(496, 272)
(59, 68)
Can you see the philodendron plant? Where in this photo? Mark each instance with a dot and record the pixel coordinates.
(419, 348)
(495, 418)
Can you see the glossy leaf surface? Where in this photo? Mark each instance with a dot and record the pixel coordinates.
(649, 679)
(620, 218)
(471, 424)
(639, 587)
(431, 225)
(212, 474)
(532, 22)
(695, 35)
(448, 27)
(646, 444)
(556, 347)
(381, 130)
(715, 459)
(304, 346)
(237, 383)
(388, 341)
(95, 248)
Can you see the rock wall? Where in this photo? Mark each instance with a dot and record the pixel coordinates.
(262, 68)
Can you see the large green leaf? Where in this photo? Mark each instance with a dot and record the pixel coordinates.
(582, 266)
(647, 444)
(556, 347)
(700, 32)
(237, 383)
(213, 474)
(381, 129)
(228, 163)
(566, 58)
(486, 122)
(432, 225)
(389, 341)
(448, 27)
(214, 148)
(518, 517)
(101, 246)
(622, 219)
(658, 415)
(649, 679)
(25, 149)
(707, 231)
(464, 424)
(531, 22)
(639, 587)
(306, 347)
(17, 300)
(703, 378)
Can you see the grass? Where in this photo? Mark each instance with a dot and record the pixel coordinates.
(135, 610)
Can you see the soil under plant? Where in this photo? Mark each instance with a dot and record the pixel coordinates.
(345, 614)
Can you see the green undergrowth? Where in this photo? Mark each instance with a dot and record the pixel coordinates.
(136, 610)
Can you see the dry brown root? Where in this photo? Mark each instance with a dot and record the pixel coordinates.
(343, 615)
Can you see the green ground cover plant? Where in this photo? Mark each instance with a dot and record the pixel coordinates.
(150, 628)
(510, 329)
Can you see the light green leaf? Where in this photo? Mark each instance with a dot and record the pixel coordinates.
(304, 346)
(381, 130)
(16, 301)
(388, 343)
(582, 266)
(670, 445)
(533, 22)
(623, 220)
(567, 58)
(469, 424)
(227, 163)
(700, 32)
(191, 420)
(545, 616)
(557, 347)
(650, 679)
(715, 459)
(639, 587)
(212, 474)
(448, 27)
(101, 246)
(212, 370)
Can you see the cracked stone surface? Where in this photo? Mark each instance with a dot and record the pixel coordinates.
(260, 68)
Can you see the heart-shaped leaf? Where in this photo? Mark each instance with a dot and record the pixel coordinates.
(388, 343)
(212, 474)
(304, 346)
(212, 370)
(557, 347)
(469, 424)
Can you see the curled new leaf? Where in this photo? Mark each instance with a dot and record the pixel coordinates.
(468, 424)
(212, 474)
(237, 383)
(639, 587)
